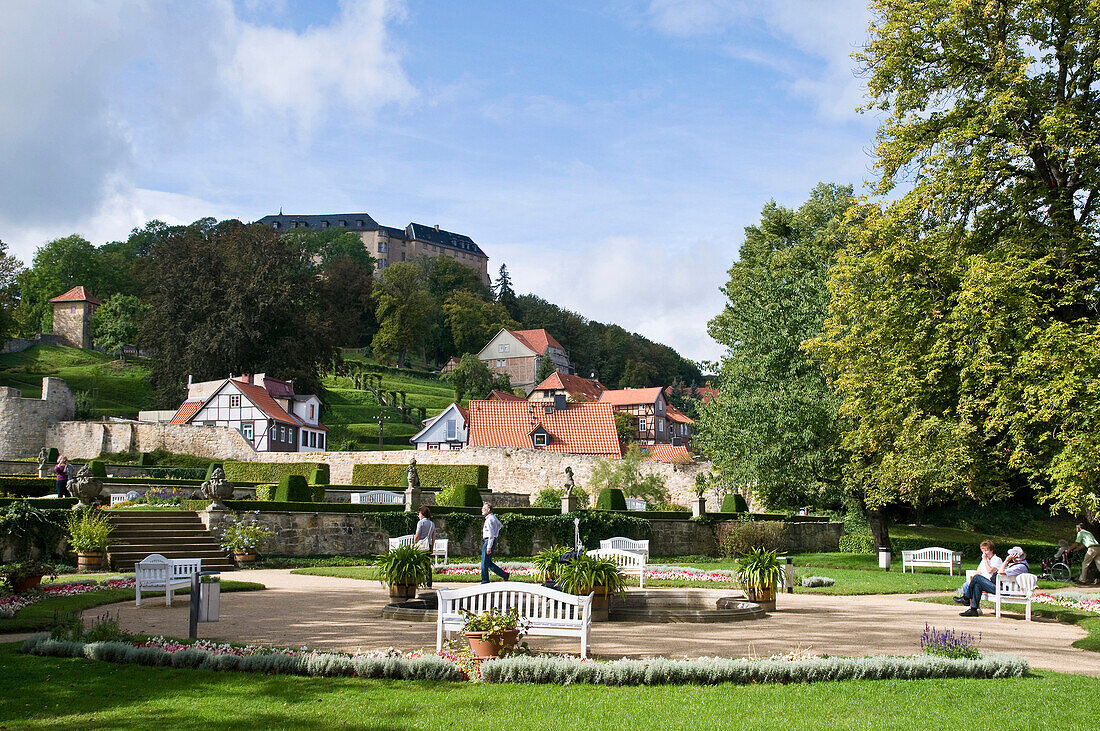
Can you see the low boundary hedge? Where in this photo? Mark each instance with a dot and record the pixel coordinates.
(743, 671)
(266, 472)
(431, 475)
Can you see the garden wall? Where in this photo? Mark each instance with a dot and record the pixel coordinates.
(24, 422)
(89, 439)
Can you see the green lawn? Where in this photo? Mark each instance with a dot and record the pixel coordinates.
(77, 693)
(40, 615)
(1086, 620)
(118, 388)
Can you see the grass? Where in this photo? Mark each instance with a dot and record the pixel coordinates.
(1086, 620)
(40, 615)
(118, 388)
(1046, 531)
(76, 693)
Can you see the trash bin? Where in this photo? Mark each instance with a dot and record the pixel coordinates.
(884, 558)
(210, 598)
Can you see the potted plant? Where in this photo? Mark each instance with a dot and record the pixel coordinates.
(89, 531)
(402, 569)
(547, 562)
(492, 633)
(588, 574)
(759, 572)
(243, 538)
(21, 576)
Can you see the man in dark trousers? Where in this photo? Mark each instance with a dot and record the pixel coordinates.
(489, 534)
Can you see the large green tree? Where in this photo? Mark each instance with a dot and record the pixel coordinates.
(119, 323)
(964, 331)
(403, 308)
(10, 269)
(774, 422)
(473, 321)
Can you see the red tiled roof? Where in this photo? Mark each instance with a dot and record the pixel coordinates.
(674, 414)
(585, 428)
(76, 294)
(630, 396)
(667, 453)
(558, 381)
(260, 398)
(186, 410)
(705, 393)
(496, 395)
(536, 340)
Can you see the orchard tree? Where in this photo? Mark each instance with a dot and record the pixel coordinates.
(403, 307)
(118, 322)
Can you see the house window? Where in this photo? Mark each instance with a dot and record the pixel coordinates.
(313, 439)
(246, 430)
(540, 440)
(72, 310)
(433, 446)
(500, 363)
(311, 411)
(321, 440)
(305, 439)
(641, 424)
(502, 348)
(456, 445)
(282, 433)
(451, 429)
(210, 423)
(234, 402)
(660, 424)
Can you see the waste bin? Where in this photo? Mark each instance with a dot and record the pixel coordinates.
(210, 598)
(884, 558)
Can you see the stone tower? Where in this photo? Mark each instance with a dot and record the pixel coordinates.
(72, 317)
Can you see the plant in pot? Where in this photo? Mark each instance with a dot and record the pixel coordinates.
(492, 633)
(21, 576)
(243, 538)
(587, 574)
(759, 572)
(89, 531)
(402, 569)
(547, 562)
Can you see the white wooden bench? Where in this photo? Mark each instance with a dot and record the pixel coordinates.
(629, 562)
(636, 504)
(543, 612)
(934, 557)
(378, 497)
(124, 497)
(627, 544)
(439, 550)
(155, 572)
(1016, 589)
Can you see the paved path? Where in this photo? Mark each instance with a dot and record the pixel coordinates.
(344, 614)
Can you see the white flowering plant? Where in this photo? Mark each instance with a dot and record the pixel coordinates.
(244, 536)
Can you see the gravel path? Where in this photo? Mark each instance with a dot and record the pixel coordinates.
(344, 614)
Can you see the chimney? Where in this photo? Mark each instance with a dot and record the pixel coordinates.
(189, 381)
(258, 379)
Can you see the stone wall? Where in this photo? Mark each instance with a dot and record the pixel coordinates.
(18, 345)
(24, 422)
(89, 439)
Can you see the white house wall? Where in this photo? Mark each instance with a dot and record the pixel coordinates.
(436, 433)
(516, 349)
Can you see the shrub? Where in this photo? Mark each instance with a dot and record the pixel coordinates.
(949, 643)
(265, 492)
(550, 497)
(293, 488)
(857, 544)
(145, 460)
(319, 476)
(26, 486)
(670, 508)
(611, 498)
(245, 536)
(734, 503)
(736, 538)
(266, 471)
(462, 496)
(99, 468)
(317, 493)
(430, 475)
(89, 530)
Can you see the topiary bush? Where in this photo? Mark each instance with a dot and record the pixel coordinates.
(293, 489)
(736, 538)
(265, 492)
(611, 498)
(266, 471)
(461, 496)
(99, 468)
(431, 475)
(145, 460)
(734, 503)
(550, 497)
(319, 476)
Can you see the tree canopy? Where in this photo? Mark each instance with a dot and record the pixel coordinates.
(403, 307)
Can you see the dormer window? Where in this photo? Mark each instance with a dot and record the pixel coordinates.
(540, 440)
(540, 437)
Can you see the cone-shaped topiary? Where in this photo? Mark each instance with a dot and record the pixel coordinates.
(611, 498)
(293, 489)
(734, 503)
(319, 476)
(460, 496)
(99, 468)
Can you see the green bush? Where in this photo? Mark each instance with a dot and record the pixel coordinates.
(317, 492)
(52, 455)
(611, 498)
(304, 506)
(734, 503)
(550, 497)
(319, 476)
(210, 470)
(99, 468)
(266, 471)
(857, 544)
(462, 496)
(26, 486)
(265, 492)
(389, 476)
(145, 460)
(970, 550)
(293, 489)
(736, 538)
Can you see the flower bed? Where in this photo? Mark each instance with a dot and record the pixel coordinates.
(1070, 600)
(9, 605)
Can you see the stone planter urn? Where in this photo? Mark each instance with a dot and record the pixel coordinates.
(85, 488)
(217, 489)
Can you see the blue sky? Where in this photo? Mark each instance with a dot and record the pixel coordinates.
(610, 153)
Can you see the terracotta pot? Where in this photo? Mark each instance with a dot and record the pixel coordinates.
(244, 558)
(402, 592)
(485, 649)
(90, 561)
(765, 597)
(601, 604)
(27, 583)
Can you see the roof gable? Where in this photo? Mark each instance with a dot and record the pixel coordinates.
(456, 411)
(584, 428)
(537, 340)
(517, 348)
(589, 388)
(77, 294)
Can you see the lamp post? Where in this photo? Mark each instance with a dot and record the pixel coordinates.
(380, 427)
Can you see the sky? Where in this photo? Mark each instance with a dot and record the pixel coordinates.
(609, 152)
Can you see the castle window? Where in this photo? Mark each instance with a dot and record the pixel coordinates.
(275, 224)
(72, 310)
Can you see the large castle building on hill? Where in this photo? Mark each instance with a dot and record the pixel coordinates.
(390, 245)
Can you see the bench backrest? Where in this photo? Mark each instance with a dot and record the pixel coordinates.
(934, 553)
(633, 503)
(378, 497)
(535, 603)
(409, 540)
(157, 568)
(625, 559)
(625, 544)
(1018, 585)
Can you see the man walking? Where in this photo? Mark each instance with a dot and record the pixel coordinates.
(489, 533)
(1086, 540)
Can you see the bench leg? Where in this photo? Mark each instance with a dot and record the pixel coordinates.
(641, 579)
(168, 594)
(137, 588)
(584, 645)
(1027, 610)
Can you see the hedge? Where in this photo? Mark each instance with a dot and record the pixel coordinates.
(99, 468)
(27, 486)
(319, 476)
(210, 470)
(265, 472)
(611, 498)
(431, 475)
(857, 544)
(49, 503)
(970, 551)
(293, 489)
(464, 496)
(734, 503)
(304, 507)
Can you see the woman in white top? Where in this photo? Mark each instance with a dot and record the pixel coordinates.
(988, 567)
(425, 536)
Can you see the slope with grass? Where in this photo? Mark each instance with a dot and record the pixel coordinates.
(113, 387)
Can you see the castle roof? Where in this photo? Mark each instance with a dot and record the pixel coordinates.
(77, 294)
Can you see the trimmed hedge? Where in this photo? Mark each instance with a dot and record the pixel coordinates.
(302, 507)
(293, 489)
(611, 498)
(264, 472)
(27, 486)
(319, 476)
(734, 503)
(210, 470)
(970, 550)
(390, 476)
(99, 468)
(460, 496)
(49, 503)
(857, 544)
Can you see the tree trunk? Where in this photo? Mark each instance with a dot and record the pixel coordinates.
(401, 358)
(879, 528)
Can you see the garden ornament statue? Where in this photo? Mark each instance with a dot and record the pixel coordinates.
(569, 484)
(85, 487)
(414, 479)
(43, 455)
(216, 489)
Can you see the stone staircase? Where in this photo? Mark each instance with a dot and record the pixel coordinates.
(171, 533)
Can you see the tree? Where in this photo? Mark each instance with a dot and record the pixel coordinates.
(118, 322)
(626, 474)
(324, 245)
(964, 335)
(503, 291)
(546, 369)
(774, 421)
(626, 427)
(233, 298)
(471, 377)
(10, 269)
(345, 289)
(403, 306)
(473, 321)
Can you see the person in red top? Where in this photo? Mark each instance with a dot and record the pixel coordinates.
(61, 472)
